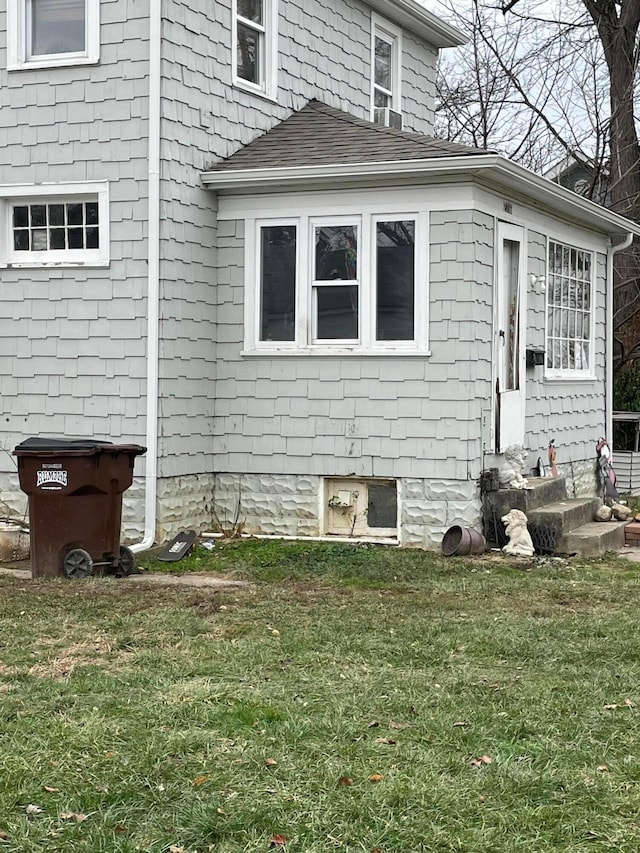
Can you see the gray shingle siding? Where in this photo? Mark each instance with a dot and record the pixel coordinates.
(373, 416)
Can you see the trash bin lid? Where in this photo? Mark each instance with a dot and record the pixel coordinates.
(48, 443)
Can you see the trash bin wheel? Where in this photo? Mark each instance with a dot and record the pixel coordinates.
(126, 562)
(77, 564)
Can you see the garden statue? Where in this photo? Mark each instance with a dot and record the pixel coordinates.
(511, 473)
(515, 526)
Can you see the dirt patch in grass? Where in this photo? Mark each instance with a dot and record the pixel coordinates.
(97, 649)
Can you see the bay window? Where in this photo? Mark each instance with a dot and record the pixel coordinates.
(337, 284)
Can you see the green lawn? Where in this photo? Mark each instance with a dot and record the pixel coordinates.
(350, 699)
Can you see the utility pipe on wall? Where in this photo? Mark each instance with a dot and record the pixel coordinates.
(608, 406)
(153, 279)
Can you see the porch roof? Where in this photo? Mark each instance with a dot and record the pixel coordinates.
(320, 147)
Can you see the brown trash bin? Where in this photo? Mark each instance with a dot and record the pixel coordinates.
(75, 491)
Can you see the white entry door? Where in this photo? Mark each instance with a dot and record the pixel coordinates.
(509, 399)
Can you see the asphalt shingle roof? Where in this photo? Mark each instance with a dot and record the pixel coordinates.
(320, 135)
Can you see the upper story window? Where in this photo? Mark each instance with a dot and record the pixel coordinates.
(337, 284)
(386, 64)
(255, 45)
(44, 33)
(569, 311)
(54, 225)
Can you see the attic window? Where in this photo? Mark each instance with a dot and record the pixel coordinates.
(45, 33)
(254, 45)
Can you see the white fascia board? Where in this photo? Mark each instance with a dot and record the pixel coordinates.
(492, 170)
(416, 19)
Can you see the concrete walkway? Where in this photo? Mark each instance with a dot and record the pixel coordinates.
(22, 571)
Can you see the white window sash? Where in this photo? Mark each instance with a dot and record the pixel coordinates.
(267, 32)
(26, 194)
(19, 54)
(307, 287)
(391, 34)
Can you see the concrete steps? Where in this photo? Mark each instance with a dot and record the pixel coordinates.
(557, 524)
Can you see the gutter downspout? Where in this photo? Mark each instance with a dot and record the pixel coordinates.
(608, 408)
(153, 279)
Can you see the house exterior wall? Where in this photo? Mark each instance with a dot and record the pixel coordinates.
(571, 412)
(73, 351)
(284, 423)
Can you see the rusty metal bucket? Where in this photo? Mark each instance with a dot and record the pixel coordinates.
(461, 541)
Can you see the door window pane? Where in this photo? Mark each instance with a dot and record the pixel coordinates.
(395, 280)
(278, 283)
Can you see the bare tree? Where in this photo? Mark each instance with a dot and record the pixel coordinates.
(540, 85)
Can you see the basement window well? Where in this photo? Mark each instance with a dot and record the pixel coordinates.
(361, 508)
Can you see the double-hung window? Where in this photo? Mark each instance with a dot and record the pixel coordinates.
(43, 33)
(255, 45)
(386, 64)
(569, 311)
(338, 284)
(54, 225)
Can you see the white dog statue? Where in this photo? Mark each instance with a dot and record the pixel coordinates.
(510, 474)
(519, 544)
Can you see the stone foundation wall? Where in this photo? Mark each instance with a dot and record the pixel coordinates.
(277, 505)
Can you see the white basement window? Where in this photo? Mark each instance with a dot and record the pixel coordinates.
(338, 285)
(55, 225)
(45, 33)
(569, 312)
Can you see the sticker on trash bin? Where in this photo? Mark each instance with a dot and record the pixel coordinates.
(51, 480)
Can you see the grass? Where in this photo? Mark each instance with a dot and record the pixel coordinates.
(147, 718)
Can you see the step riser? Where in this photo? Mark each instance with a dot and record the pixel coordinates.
(574, 514)
(593, 543)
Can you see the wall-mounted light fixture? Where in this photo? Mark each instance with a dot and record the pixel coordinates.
(538, 282)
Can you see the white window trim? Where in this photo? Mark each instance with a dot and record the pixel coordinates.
(566, 375)
(303, 344)
(389, 32)
(13, 194)
(268, 85)
(18, 55)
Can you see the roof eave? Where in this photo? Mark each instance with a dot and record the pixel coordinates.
(415, 18)
(491, 170)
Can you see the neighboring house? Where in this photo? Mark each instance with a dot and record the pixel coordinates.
(587, 179)
(209, 247)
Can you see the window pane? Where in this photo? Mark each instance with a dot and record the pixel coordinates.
(92, 240)
(338, 312)
(56, 214)
(76, 238)
(21, 241)
(20, 217)
(57, 26)
(74, 214)
(382, 63)
(38, 215)
(57, 238)
(251, 10)
(381, 99)
(39, 240)
(248, 54)
(336, 253)
(382, 506)
(395, 281)
(568, 308)
(278, 283)
(91, 208)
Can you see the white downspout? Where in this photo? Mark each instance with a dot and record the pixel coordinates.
(608, 408)
(153, 273)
